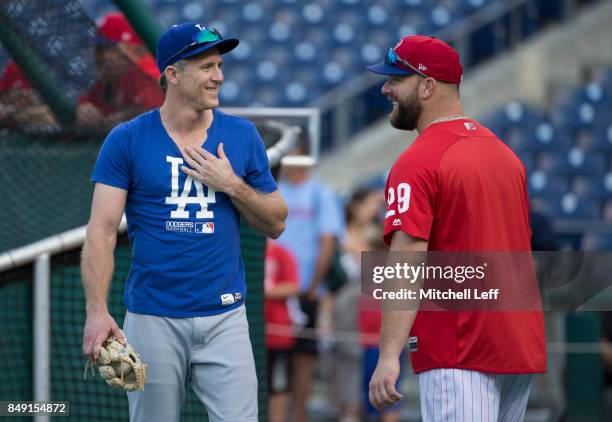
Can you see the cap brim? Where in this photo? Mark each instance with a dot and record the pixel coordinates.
(385, 69)
(224, 46)
(298, 161)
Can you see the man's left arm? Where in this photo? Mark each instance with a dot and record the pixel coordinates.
(327, 248)
(265, 212)
(395, 326)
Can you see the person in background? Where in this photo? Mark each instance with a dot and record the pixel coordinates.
(312, 228)
(20, 106)
(127, 78)
(360, 215)
(280, 283)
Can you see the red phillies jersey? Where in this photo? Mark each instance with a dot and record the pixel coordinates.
(138, 89)
(280, 268)
(461, 189)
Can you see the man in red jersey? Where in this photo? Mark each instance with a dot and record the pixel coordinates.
(127, 80)
(456, 188)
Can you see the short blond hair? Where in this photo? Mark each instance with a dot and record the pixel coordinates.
(181, 65)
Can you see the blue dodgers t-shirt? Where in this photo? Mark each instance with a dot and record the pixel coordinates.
(185, 237)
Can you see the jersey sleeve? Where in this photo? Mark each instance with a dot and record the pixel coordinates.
(258, 174)
(410, 195)
(112, 167)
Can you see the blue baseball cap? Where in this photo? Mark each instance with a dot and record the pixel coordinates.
(189, 39)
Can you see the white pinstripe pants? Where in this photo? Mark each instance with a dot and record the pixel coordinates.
(459, 395)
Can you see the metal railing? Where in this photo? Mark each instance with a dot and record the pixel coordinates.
(311, 115)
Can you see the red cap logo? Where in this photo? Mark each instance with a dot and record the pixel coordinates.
(432, 56)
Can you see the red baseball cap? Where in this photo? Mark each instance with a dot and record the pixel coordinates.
(423, 55)
(13, 77)
(114, 28)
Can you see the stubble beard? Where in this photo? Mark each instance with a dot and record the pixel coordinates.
(204, 100)
(407, 113)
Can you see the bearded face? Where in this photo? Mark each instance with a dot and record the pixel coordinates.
(406, 113)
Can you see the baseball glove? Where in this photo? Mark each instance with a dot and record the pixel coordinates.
(120, 366)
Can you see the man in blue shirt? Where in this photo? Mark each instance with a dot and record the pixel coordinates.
(314, 226)
(184, 174)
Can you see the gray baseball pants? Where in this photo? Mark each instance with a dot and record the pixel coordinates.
(211, 353)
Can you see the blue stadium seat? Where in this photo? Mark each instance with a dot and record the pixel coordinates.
(570, 206)
(601, 137)
(237, 78)
(306, 52)
(514, 114)
(596, 187)
(593, 92)
(314, 13)
(413, 6)
(582, 114)
(167, 14)
(441, 16)
(471, 6)
(516, 138)
(268, 70)
(605, 77)
(416, 23)
(596, 141)
(574, 161)
(371, 52)
(281, 32)
(547, 137)
(255, 12)
(527, 157)
(378, 15)
(267, 95)
(193, 11)
(542, 138)
(547, 185)
(230, 91)
(245, 52)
